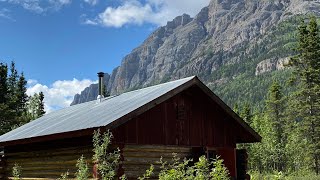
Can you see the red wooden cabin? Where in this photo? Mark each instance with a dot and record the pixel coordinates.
(182, 116)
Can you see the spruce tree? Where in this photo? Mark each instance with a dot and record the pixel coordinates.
(12, 87)
(275, 115)
(246, 113)
(8, 113)
(21, 94)
(3, 83)
(4, 108)
(105, 92)
(41, 110)
(13, 98)
(306, 65)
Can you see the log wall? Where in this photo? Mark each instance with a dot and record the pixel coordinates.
(137, 158)
(50, 164)
(48, 159)
(47, 163)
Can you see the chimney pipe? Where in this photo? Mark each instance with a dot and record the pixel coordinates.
(101, 86)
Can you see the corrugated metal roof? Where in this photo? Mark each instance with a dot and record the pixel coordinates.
(91, 114)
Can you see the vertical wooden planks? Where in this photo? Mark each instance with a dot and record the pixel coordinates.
(187, 119)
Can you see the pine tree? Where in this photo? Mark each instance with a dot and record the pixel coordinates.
(275, 115)
(41, 110)
(3, 83)
(306, 65)
(21, 94)
(4, 108)
(13, 98)
(8, 114)
(246, 113)
(12, 87)
(105, 91)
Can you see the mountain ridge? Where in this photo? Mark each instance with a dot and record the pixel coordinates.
(223, 34)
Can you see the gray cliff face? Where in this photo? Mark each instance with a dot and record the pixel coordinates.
(223, 33)
(271, 64)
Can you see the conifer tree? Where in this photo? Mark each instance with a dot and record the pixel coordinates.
(3, 82)
(41, 110)
(13, 98)
(246, 113)
(105, 91)
(12, 87)
(4, 108)
(275, 115)
(306, 65)
(21, 94)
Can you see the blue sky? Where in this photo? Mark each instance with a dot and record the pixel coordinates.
(60, 45)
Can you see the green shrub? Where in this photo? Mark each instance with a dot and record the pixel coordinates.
(83, 169)
(148, 174)
(300, 175)
(204, 169)
(16, 171)
(107, 161)
(64, 176)
(219, 172)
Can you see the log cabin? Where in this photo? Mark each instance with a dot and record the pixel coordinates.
(182, 116)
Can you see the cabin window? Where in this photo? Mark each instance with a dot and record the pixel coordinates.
(197, 152)
(211, 154)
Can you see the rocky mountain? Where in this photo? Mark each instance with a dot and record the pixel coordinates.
(228, 42)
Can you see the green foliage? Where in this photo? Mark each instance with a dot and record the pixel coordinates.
(64, 176)
(41, 111)
(237, 82)
(289, 119)
(3, 83)
(148, 174)
(123, 177)
(16, 171)
(251, 89)
(275, 116)
(22, 97)
(202, 170)
(83, 169)
(105, 91)
(255, 175)
(35, 106)
(107, 161)
(219, 172)
(13, 99)
(306, 100)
